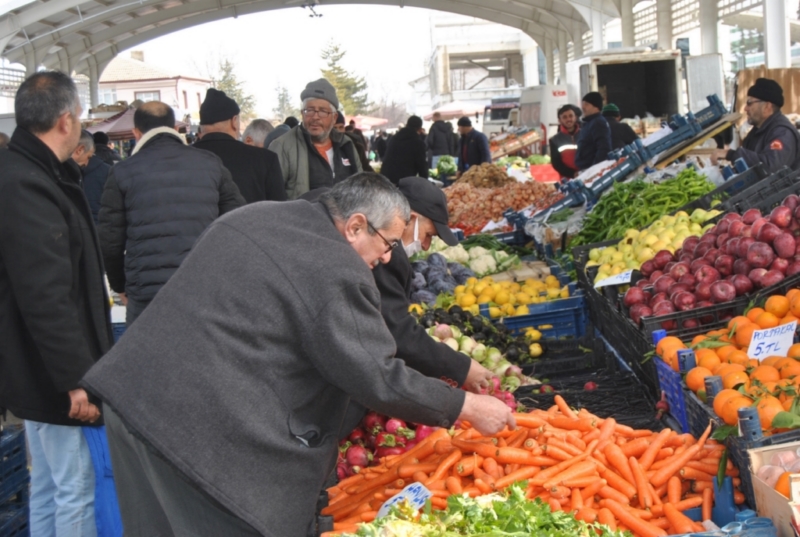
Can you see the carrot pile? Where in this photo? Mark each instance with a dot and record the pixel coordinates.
(598, 469)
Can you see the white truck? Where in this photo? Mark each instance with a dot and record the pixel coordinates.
(638, 80)
(538, 108)
(496, 116)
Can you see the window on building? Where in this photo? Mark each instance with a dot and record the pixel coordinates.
(185, 100)
(107, 96)
(147, 96)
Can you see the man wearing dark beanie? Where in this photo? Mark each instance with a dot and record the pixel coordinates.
(773, 140)
(255, 170)
(406, 155)
(101, 149)
(594, 140)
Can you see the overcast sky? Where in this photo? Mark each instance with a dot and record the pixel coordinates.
(388, 45)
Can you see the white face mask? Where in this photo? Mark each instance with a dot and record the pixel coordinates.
(416, 244)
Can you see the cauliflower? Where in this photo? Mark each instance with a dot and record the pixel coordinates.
(456, 254)
(500, 256)
(437, 245)
(478, 251)
(483, 265)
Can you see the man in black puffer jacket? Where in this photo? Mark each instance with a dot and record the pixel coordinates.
(156, 204)
(441, 140)
(405, 153)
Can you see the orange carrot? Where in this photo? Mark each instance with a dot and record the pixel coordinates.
(683, 505)
(445, 465)
(586, 514)
(467, 464)
(528, 421)
(569, 424)
(649, 456)
(558, 492)
(606, 518)
(594, 488)
(680, 523)
(564, 407)
(640, 527)
(636, 447)
(613, 494)
(443, 446)
(641, 484)
(420, 477)
(581, 469)
(554, 504)
(688, 472)
(526, 472)
(673, 466)
(471, 446)
(708, 495)
(569, 448)
(453, 485)
(674, 490)
(544, 475)
(407, 470)
(580, 482)
(616, 458)
(510, 455)
(556, 453)
(490, 467)
(483, 487)
(438, 503)
(576, 500)
(617, 482)
(516, 440)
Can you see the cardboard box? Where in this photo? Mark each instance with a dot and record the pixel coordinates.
(769, 503)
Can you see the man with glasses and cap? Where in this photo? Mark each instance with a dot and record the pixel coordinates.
(428, 219)
(314, 155)
(773, 140)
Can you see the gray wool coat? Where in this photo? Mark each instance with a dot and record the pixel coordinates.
(240, 371)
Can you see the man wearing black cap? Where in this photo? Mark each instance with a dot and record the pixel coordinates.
(621, 133)
(339, 125)
(102, 149)
(414, 345)
(594, 141)
(473, 149)
(405, 153)
(255, 170)
(773, 140)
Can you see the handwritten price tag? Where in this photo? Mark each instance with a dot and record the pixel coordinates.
(619, 279)
(415, 493)
(772, 341)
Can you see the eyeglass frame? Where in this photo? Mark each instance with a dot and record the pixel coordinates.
(322, 114)
(389, 245)
(751, 103)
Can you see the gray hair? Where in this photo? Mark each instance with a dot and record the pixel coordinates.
(258, 129)
(86, 140)
(42, 98)
(370, 194)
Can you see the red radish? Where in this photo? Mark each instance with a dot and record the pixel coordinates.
(358, 436)
(423, 432)
(589, 386)
(662, 407)
(398, 427)
(341, 471)
(386, 451)
(358, 456)
(374, 422)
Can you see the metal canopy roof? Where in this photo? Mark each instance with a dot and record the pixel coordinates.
(85, 35)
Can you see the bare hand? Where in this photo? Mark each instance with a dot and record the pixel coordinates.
(478, 377)
(124, 298)
(487, 414)
(717, 155)
(81, 408)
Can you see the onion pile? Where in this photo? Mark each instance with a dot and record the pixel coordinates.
(469, 206)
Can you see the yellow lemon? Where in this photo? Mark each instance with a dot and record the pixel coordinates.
(491, 292)
(553, 293)
(505, 285)
(502, 298)
(522, 310)
(487, 279)
(484, 299)
(509, 309)
(515, 287)
(472, 280)
(474, 309)
(535, 350)
(523, 298)
(533, 334)
(494, 312)
(467, 301)
(460, 289)
(565, 292)
(479, 287)
(415, 308)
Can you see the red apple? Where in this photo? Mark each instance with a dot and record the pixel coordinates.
(785, 245)
(676, 288)
(723, 225)
(661, 258)
(724, 264)
(707, 274)
(742, 284)
(664, 307)
(736, 227)
(709, 237)
(702, 291)
(744, 245)
(644, 282)
(794, 268)
(688, 279)
(722, 291)
(768, 232)
(634, 295)
(638, 311)
(792, 201)
(662, 284)
(702, 248)
(721, 239)
(647, 268)
(712, 255)
(690, 243)
(731, 247)
(741, 266)
(747, 231)
(655, 275)
(684, 301)
(669, 266)
(658, 297)
(772, 277)
(750, 216)
(780, 264)
(760, 255)
(755, 276)
(697, 263)
(685, 258)
(758, 224)
(690, 323)
(781, 216)
(678, 270)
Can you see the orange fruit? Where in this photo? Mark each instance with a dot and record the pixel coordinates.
(787, 404)
(735, 379)
(668, 342)
(695, 378)
(791, 293)
(724, 369)
(698, 338)
(771, 360)
(744, 333)
(790, 370)
(794, 351)
(723, 352)
(768, 406)
(766, 320)
(785, 389)
(709, 361)
(753, 363)
(783, 361)
(765, 373)
(757, 389)
(753, 313)
(794, 305)
(739, 357)
(721, 398)
(782, 485)
(730, 410)
(739, 320)
(777, 305)
(788, 318)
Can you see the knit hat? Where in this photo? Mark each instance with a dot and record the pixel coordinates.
(100, 138)
(414, 123)
(611, 110)
(594, 98)
(768, 90)
(464, 122)
(217, 107)
(321, 89)
(339, 118)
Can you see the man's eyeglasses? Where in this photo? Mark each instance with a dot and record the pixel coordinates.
(754, 101)
(323, 114)
(389, 245)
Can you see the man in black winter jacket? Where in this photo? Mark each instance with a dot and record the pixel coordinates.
(255, 170)
(441, 139)
(773, 140)
(594, 141)
(102, 151)
(621, 133)
(156, 204)
(405, 153)
(94, 171)
(54, 311)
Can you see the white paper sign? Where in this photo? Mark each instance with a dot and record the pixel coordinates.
(619, 279)
(772, 341)
(416, 494)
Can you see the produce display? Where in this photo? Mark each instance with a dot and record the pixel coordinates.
(446, 166)
(470, 208)
(739, 255)
(486, 175)
(522, 163)
(638, 204)
(610, 477)
(506, 298)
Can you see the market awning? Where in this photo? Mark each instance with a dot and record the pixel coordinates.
(120, 126)
(367, 123)
(456, 109)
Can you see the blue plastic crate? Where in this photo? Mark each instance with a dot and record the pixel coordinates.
(118, 329)
(14, 476)
(672, 385)
(566, 316)
(14, 522)
(699, 414)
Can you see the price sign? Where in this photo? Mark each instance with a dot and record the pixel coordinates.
(619, 279)
(416, 494)
(772, 341)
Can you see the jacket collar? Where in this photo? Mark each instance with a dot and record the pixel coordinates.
(563, 130)
(218, 137)
(152, 133)
(29, 145)
(771, 120)
(587, 119)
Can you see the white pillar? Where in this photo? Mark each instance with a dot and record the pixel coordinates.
(776, 35)
(577, 45)
(626, 11)
(562, 56)
(94, 83)
(549, 53)
(30, 61)
(709, 36)
(664, 24)
(598, 42)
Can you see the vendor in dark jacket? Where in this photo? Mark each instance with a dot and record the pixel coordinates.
(563, 145)
(773, 140)
(102, 151)
(94, 171)
(473, 149)
(255, 170)
(156, 204)
(54, 311)
(266, 334)
(621, 133)
(405, 153)
(414, 345)
(594, 141)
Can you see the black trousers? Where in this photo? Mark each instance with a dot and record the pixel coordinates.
(156, 500)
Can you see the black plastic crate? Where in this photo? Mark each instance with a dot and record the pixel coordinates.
(754, 195)
(14, 475)
(14, 522)
(708, 318)
(728, 189)
(564, 358)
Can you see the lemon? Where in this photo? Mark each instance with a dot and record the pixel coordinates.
(505, 285)
(523, 298)
(502, 298)
(474, 309)
(535, 350)
(487, 279)
(472, 280)
(533, 334)
(523, 310)
(460, 289)
(415, 308)
(514, 287)
(484, 299)
(479, 287)
(467, 301)
(565, 292)
(553, 293)
(509, 309)
(495, 312)
(491, 292)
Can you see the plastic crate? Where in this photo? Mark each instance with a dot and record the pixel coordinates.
(671, 384)
(755, 194)
(560, 319)
(14, 476)
(513, 238)
(14, 522)
(117, 330)
(709, 318)
(565, 358)
(698, 414)
(730, 188)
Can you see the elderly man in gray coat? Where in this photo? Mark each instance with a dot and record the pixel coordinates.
(224, 402)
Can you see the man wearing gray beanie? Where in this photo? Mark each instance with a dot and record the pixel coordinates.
(313, 155)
